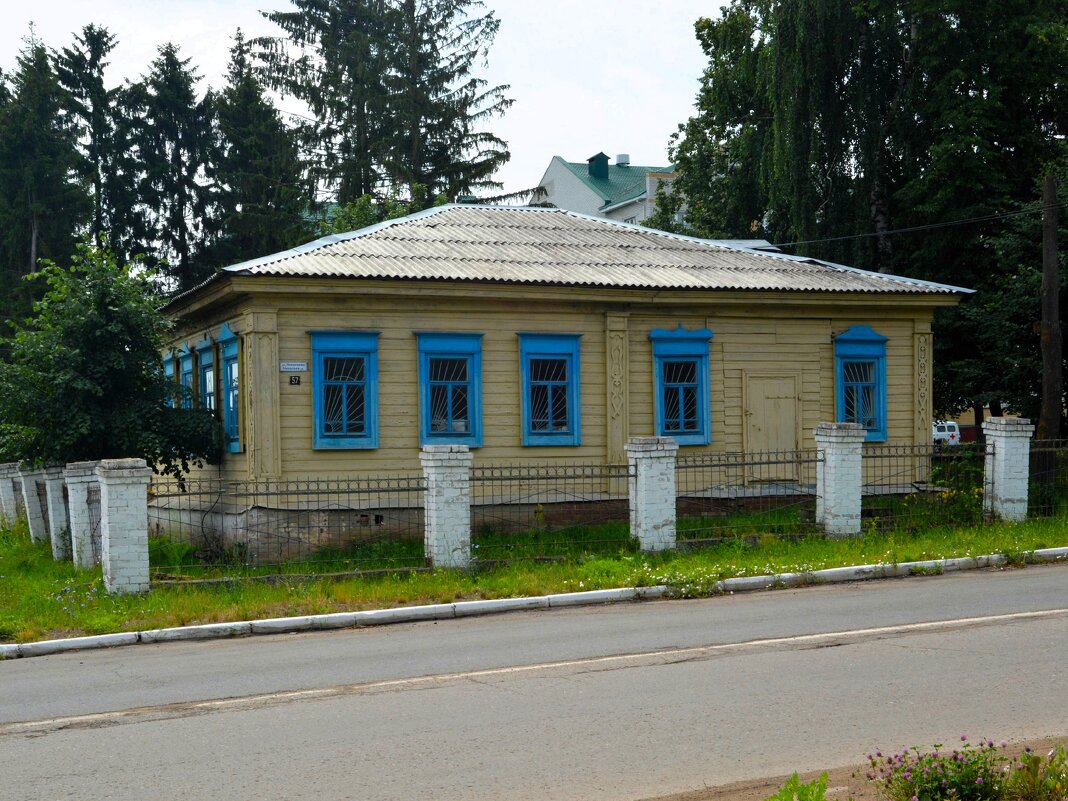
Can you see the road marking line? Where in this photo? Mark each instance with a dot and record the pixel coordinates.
(188, 708)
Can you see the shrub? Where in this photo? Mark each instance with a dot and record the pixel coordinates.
(796, 790)
(970, 773)
(1033, 778)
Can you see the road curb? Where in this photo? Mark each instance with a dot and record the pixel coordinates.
(460, 609)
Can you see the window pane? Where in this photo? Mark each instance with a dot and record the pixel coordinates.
(689, 408)
(333, 409)
(548, 369)
(459, 407)
(559, 409)
(539, 407)
(672, 420)
(448, 369)
(354, 409)
(348, 368)
(680, 372)
(439, 408)
(859, 372)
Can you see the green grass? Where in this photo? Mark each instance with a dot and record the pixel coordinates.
(42, 599)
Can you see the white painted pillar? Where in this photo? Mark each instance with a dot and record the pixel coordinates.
(447, 504)
(58, 527)
(124, 524)
(839, 477)
(1007, 467)
(9, 510)
(32, 501)
(80, 476)
(652, 491)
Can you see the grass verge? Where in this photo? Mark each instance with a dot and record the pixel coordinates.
(42, 599)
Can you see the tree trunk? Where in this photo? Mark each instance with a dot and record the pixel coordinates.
(977, 411)
(1049, 421)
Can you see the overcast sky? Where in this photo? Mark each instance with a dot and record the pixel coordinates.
(586, 75)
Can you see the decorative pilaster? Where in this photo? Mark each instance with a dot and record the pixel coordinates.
(262, 394)
(447, 505)
(838, 477)
(652, 491)
(1007, 468)
(617, 409)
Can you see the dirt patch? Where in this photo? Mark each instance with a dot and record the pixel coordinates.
(842, 783)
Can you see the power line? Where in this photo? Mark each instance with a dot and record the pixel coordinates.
(927, 227)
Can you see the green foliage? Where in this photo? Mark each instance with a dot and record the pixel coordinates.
(829, 125)
(41, 201)
(263, 196)
(981, 772)
(1036, 779)
(172, 146)
(394, 99)
(84, 378)
(796, 790)
(365, 211)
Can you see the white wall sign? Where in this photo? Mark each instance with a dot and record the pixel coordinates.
(294, 367)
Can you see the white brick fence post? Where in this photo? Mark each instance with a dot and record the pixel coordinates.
(58, 527)
(652, 491)
(839, 477)
(9, 509)
(124, 524)
(447, 504)
(32, 501)
(80, 476)
(1007, 467)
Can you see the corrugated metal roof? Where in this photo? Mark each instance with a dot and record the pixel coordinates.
(517, 245)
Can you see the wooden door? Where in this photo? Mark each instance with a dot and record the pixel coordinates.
(772, 418)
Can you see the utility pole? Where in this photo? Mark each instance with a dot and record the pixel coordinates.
(1049, 421)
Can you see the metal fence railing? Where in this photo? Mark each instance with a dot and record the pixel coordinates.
(1048, 485)
(321, 525)
(722, 496)
(909, 487)
(549, 510)
(92, 502)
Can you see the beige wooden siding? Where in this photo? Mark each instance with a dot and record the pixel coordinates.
(761, 338)
(398, 380)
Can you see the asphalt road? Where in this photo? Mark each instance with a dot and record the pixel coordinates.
(622, 702)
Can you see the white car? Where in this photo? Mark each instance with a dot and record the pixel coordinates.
(946, 433)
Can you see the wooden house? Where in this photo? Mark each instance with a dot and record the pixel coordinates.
(537, 334)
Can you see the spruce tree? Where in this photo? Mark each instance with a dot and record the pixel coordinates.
(393, 94)
(263, 195)
(172, 149)
(80, 69)
(437, 104)
(44, 202)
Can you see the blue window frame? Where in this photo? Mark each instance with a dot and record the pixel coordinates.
(860, 380)
(168, 375)
(206, 368)
(185, 372)
(549, 365)
(345, 389)
(680, 362)
(450, 389)
(231, 388)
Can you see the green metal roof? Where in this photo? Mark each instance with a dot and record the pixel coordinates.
(624, 183)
